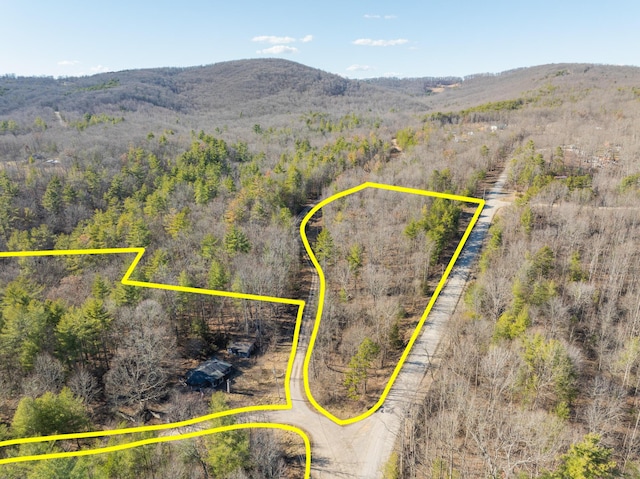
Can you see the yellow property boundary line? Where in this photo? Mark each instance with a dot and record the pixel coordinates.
(189, 422)
(434, 296)
(157, 440)
(300, 303)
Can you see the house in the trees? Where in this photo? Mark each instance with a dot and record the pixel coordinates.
(211, 373)
(242, 349)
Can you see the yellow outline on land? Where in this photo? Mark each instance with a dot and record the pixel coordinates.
(434, 296)
(300, 303)
(179, 437)
(114, 432)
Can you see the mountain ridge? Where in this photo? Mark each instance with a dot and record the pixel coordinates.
(273, 86)
(181, 89)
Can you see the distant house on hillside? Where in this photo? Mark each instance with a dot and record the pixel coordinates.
(242, 349)
(211, 373)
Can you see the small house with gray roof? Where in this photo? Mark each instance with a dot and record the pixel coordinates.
(242, 349)
(211, 373)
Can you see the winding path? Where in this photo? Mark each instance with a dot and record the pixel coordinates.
(60, 119)
(357, 450)
(360, 450)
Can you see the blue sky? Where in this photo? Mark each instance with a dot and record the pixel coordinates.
(353, 38)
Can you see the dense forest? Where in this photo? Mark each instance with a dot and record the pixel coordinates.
(208, 168)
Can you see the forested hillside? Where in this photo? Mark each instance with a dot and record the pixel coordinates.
(208, 168)
(539, 376)
(106, 162)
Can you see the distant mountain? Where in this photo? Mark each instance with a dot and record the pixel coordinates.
(253, 86)
(491, 87)
(271, 87)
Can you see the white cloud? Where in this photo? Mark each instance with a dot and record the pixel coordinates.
(67, 63)
(99, 69)
(377, 17)
(306, 38)
(273, 39)
(359, 68)
(277, 50)
(380, 43)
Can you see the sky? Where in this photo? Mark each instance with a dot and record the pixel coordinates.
(352, 38)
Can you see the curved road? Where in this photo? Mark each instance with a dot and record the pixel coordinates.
(360, 450)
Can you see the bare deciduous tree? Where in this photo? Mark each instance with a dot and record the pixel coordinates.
(140, 368)
(83, 385)
(48, 375)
